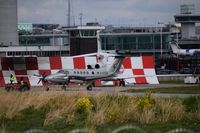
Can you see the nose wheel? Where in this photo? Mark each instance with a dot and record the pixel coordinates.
(89, 87)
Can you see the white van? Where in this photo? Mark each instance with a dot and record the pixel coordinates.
(192, 80)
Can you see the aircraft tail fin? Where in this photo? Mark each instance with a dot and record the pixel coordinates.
(99, 49)
(115, 67)
(174, 47)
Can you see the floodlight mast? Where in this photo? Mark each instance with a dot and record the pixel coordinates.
(69, 14)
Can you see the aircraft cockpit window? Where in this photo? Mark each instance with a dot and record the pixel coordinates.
(60, 71)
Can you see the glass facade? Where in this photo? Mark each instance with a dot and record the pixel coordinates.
(88, 33)
(34, 41)
(38, 53)
(139, 42)
(43, 40)
(187, 18)
(25, 26)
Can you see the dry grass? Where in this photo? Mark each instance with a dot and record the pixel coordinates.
(12, 104)
(106, 108)
(146, 116)
(170, 109)
(96, 118)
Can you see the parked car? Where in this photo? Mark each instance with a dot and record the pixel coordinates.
(197, 70)
(186, 71)
(160, 71)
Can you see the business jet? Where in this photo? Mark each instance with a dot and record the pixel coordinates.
(190, 52)
(102, 70)
(86, 76)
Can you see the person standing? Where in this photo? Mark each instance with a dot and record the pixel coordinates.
(11, 79)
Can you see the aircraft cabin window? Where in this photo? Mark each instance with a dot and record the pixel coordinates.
(66, 72)
(92, 72)
(74, 72)
(89, 67)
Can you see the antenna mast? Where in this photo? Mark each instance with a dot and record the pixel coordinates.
(69, 13)
(81, 19)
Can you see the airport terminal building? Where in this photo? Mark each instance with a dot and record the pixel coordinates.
(52, 40)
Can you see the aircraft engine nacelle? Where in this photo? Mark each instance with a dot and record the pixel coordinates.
(97, 66)
(76, 81)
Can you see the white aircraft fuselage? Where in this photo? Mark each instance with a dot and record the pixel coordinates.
(87, 76)
(190, 52)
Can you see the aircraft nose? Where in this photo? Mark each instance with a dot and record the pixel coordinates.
(48, 78)
(54, 77)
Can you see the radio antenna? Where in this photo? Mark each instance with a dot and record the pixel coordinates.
(69, 14)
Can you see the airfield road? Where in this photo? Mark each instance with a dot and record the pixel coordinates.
(114, 89)
(110, 88)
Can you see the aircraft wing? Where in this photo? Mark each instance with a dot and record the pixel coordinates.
(77, 78)
(163, 75)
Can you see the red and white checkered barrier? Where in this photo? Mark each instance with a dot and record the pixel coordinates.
(132, 66)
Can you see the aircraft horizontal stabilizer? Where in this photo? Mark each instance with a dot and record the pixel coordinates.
(125, 52)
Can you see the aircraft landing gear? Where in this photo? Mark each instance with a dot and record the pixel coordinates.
(89, 87)
(63, 87)
(122, 83)
(47, 88)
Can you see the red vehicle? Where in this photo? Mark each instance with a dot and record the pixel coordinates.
(17, 87)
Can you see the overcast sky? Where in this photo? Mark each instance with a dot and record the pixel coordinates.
(115, 12)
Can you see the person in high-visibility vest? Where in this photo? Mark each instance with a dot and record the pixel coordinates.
(22, 82)
(11, 79)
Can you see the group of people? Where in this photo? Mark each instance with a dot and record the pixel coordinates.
(12, 79)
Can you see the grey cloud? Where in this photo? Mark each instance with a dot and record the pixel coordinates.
(105, 11)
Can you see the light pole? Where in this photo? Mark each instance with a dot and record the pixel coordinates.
(53, 38)
(177, 36)
(81, 18)
(161, 44)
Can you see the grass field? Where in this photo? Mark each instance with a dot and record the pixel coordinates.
(172, 90)
(101, 113)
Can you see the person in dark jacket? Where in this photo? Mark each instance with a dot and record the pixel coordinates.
(22, 82)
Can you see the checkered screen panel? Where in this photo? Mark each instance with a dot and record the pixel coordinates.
(28, 66)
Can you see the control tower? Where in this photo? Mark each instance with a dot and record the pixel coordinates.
(8, 23)
(188, 18)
